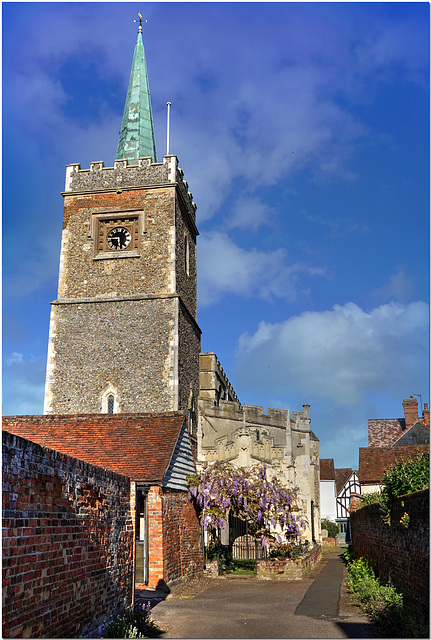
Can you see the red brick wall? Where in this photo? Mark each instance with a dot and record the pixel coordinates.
(174, 537)
(410, 411)
(402, 554)
(67, 542)
(155, 538)
(182, 536)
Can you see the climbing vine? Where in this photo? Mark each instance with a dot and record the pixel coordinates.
(265, 504)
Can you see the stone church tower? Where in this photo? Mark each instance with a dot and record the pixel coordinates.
(123, 332)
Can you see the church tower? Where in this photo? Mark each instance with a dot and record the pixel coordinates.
(123, 331)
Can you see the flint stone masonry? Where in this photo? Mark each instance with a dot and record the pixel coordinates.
(123, 343)
(67, 543)
(125, 321)
(122, 175)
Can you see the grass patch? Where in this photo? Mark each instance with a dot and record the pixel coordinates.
(241, 567)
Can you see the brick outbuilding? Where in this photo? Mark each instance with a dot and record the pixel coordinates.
(154, 451)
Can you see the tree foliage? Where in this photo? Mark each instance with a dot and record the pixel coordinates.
(266, 505)
(331, 527)
(401, 478)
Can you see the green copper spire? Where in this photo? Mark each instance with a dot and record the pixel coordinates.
(137, 129)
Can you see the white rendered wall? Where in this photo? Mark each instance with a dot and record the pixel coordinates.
(328, 507)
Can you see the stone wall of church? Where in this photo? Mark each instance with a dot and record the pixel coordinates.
(126, 345)
(188, 359)
(150, 272)
(279, 439)
(186, 274)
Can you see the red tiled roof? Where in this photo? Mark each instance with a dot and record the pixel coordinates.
(139, 446)
(373, 461)
(327, 471)
(341, 477)
(382, 432)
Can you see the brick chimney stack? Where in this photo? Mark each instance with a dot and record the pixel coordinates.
(426, 416)
(410, 411)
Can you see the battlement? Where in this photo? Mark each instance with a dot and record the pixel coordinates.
(213, 379)
(128, 176)
(253, 415)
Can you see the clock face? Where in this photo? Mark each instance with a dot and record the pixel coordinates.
(118, 238)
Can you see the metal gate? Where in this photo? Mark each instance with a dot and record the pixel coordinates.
(244, 546)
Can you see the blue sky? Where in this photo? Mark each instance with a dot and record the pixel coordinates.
(302, 130)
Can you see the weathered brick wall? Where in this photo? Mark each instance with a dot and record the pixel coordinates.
(402, 554)
(288, 569)
(182, 536)
(67, 542)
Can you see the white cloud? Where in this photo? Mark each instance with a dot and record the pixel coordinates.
(339, 355)
(225, 268)
(399, 288)
(250, 213)
(338, 227)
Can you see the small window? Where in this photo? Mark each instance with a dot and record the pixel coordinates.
(111, 402)
(186, 255)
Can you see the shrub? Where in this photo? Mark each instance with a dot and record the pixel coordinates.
(383, 603)
(289, 550)
(331, 527)
(132, 624)
(370, 498)
(403, 477)
(221, 552)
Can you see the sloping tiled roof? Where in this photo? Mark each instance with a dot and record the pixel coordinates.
(382, 432)
(373, 461)
(341, 477)
(417, 434)
(139, 446)
(327, 471)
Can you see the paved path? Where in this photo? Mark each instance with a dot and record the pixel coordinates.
(316, 607)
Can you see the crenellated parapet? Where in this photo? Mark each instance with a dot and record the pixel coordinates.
(214, 383)
(254, 415)
(125, 176)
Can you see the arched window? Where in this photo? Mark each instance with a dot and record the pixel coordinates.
(111, 403)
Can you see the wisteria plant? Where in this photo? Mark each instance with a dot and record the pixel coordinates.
(266, 504)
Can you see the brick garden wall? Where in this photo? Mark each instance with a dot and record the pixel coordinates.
(182, 536)
(67, 542)
(174, 538)
(288, 569)
(402, 554)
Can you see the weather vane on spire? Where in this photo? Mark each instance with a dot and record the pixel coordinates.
(140, 22)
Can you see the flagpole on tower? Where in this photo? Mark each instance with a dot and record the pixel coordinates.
(168, 128)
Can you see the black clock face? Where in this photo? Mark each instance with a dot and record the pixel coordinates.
(118, 238)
